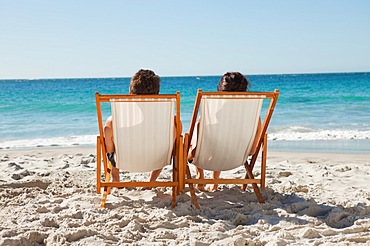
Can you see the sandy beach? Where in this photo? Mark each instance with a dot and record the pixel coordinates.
(48, 197)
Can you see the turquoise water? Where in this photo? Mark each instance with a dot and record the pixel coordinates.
(315, 112)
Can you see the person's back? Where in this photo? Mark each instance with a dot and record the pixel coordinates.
(144, 82)
(233, 82)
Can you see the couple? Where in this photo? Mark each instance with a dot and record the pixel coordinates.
(147, 82)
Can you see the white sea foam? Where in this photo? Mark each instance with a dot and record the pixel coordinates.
(48, 142)
(302, 133)
(287, 133)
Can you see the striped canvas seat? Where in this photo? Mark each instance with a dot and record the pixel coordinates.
(145, 138)
(143, 133)
(228, 123)
(221, 144)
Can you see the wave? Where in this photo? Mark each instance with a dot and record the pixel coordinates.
(69, 141)
(297, 133)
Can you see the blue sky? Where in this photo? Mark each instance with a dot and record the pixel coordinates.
(76, 39)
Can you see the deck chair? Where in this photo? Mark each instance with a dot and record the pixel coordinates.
(228, 125)
(145, 136)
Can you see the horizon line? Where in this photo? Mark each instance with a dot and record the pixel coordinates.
(171, 76)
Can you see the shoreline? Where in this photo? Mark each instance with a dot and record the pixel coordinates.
(272, 155)
(48, 196)
(272, 151)
(347, 146)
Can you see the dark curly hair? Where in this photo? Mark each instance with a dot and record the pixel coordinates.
(145, 82)
(233, 81)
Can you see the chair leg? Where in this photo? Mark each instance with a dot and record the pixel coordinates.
(175, 175)
(107, 176)
(98, 165)
(175, 178)
(255, 186)
(258, 193)
(244, 186)
(184, 163)
(263, 162)
(180, 173)
(174, 192)
(191, 187)
(104, 198)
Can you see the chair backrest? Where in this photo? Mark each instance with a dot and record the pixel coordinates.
(143, 131)
(227, 129)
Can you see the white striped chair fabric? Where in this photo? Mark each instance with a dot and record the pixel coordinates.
(143, 133)
(227, 129)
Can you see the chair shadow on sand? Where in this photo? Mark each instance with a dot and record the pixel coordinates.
(242, 208)
(238, 207)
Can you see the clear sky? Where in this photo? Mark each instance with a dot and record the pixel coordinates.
(80, 38)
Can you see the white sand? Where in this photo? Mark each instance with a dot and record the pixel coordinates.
(48, 196)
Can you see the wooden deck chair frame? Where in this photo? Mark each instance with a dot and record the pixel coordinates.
(104, 166)
(249, 165)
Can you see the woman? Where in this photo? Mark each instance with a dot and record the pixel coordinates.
(230, 81)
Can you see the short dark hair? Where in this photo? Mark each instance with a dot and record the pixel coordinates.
(233, 81)
(145, 82)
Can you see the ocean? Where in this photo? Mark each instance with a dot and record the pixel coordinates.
(315, 112)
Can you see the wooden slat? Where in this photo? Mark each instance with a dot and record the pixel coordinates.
(139, 184)
(223, 181)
